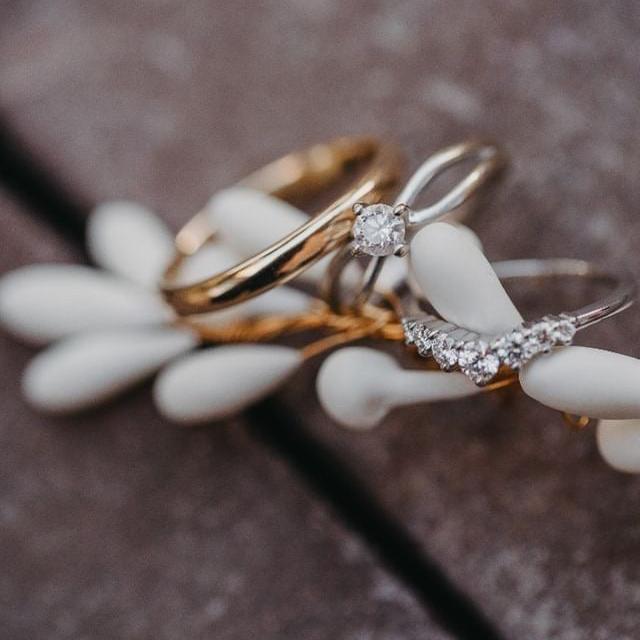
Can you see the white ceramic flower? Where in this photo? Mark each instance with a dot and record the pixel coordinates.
(111, 328)
(460, 283)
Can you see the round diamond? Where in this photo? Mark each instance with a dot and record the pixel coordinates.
(377, 231)
(564, 331)
(515, 348)
(500, 346)
(484, 369)
(539, 338)
(445, 352)
(478, 362)
(415, 333)
(469, 352)
(410, 329)
(424, 342)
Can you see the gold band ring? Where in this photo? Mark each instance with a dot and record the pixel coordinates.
(300, 174)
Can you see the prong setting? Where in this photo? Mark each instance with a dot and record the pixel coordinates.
(401, 251)
(479, 358)
(401, 210)
(378, 231)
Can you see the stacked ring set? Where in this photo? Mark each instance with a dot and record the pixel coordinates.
(375, 273)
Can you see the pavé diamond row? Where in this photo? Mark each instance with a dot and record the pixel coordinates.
(480, 357)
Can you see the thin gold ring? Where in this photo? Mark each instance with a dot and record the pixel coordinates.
(298, 175)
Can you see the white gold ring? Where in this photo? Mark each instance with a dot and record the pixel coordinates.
(381, 230)
(480, 357)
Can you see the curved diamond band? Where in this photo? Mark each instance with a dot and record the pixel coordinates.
(381, 230)
(481, 357)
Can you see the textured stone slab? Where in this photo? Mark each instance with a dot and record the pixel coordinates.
(117, 525)
(164, 105)
(521, 511)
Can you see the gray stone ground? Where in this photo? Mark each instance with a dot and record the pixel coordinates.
(163, 102)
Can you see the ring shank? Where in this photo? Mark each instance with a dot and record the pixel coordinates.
(300, 174)
(621, 297)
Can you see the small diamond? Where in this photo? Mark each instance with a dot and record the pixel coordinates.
(445, 352)
(500, 346)
(470, 352)
(539, 338)
(478, 362)
(563, 331)
(520, 345)
(424, 341)
(415, 333)
(515, 348)
(410, 329)
(377, 231)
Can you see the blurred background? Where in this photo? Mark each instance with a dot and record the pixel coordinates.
(475, 519)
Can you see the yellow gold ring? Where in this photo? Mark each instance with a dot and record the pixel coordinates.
(303, 174)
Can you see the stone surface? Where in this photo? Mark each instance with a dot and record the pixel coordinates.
(116, 524)
(519, 508)
(163, 104)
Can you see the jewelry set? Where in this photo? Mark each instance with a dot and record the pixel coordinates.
(368, 226)
(361, 225)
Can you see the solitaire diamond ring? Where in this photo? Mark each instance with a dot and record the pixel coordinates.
(382, 230)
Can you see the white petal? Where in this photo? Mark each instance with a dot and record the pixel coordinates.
(40, 303)
(86, 370)
(471, 235)
(393, 272)
(249, 221)
(130, 241)
(619, 444)
(585, 381)
(216, 383)
(459, 281)
(358, 386)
